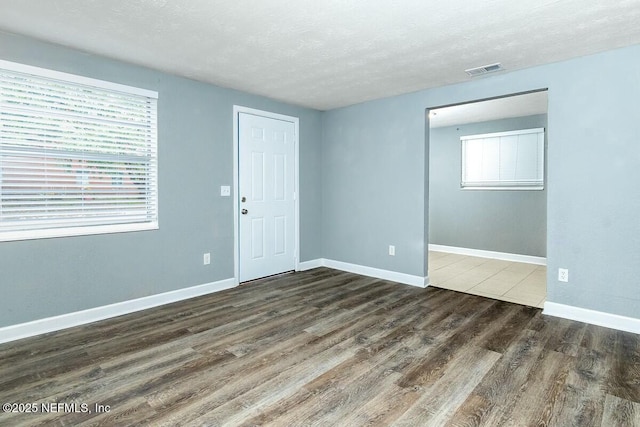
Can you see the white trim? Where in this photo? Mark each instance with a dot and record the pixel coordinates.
(310, 265)
(394, 276)
(593, 317)
(505, 188)
(236, 201)
(47, 233)
(507, 133)
(237, 109)
(69, 320)
(489, 254)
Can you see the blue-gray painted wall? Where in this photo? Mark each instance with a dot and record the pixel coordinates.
(375, 195)
(373, 192)
(511, 221)
(42, 278)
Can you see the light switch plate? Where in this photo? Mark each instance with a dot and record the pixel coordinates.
(225, 190)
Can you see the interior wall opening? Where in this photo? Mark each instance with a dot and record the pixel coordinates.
(488, 184)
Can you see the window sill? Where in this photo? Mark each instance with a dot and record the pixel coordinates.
(75, 231)
(503, 188)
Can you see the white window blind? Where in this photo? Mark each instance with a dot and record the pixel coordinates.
(504, 160)
(77, 155)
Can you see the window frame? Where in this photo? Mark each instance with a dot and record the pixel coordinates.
(501, 185)
(150, 172)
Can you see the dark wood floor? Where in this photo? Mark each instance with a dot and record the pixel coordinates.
(328, 348)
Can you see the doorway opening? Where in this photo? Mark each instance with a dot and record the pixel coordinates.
(488, 197)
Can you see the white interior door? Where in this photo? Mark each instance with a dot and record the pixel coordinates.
(266, 177)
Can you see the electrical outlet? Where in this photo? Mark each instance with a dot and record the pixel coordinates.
(392, 250)
(206, 259)
(563, 274)
(225, 190)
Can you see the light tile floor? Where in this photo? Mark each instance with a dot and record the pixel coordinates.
(503, 280)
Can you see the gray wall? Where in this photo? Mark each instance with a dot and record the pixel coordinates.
(375, 190)
(503, 221)
(373, 170)
(42, 278)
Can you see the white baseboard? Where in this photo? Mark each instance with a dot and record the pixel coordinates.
(310, 265)
(593, 317)
(69, 320)
(394, 276)
(489, 254)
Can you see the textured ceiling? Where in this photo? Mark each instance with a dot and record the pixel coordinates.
(329, 53)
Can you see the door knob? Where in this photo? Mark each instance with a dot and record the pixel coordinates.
(244, 211)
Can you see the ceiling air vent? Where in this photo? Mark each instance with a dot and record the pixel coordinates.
(485, 69)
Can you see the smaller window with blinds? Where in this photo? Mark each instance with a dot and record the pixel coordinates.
(504, 160)
(77, 155)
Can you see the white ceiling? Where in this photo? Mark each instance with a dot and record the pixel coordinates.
(328, 53)
(483, 111)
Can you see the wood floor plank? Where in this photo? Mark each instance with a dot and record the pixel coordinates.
(476, 326)
(234, 404)
(432, 406)
(326, 347)
(567, 336)
(624, 381)
(348, 396)
(541, 391)
(491, 398)
(262, 367)
(502, 337)
(620, 412)
(128, 414)
(606, 364)
(582, 400)
(196, 386)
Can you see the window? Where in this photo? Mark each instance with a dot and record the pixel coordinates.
(503, 161)
(77, 155)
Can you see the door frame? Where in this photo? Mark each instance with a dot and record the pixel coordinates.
(237, 109)
(427, 111)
